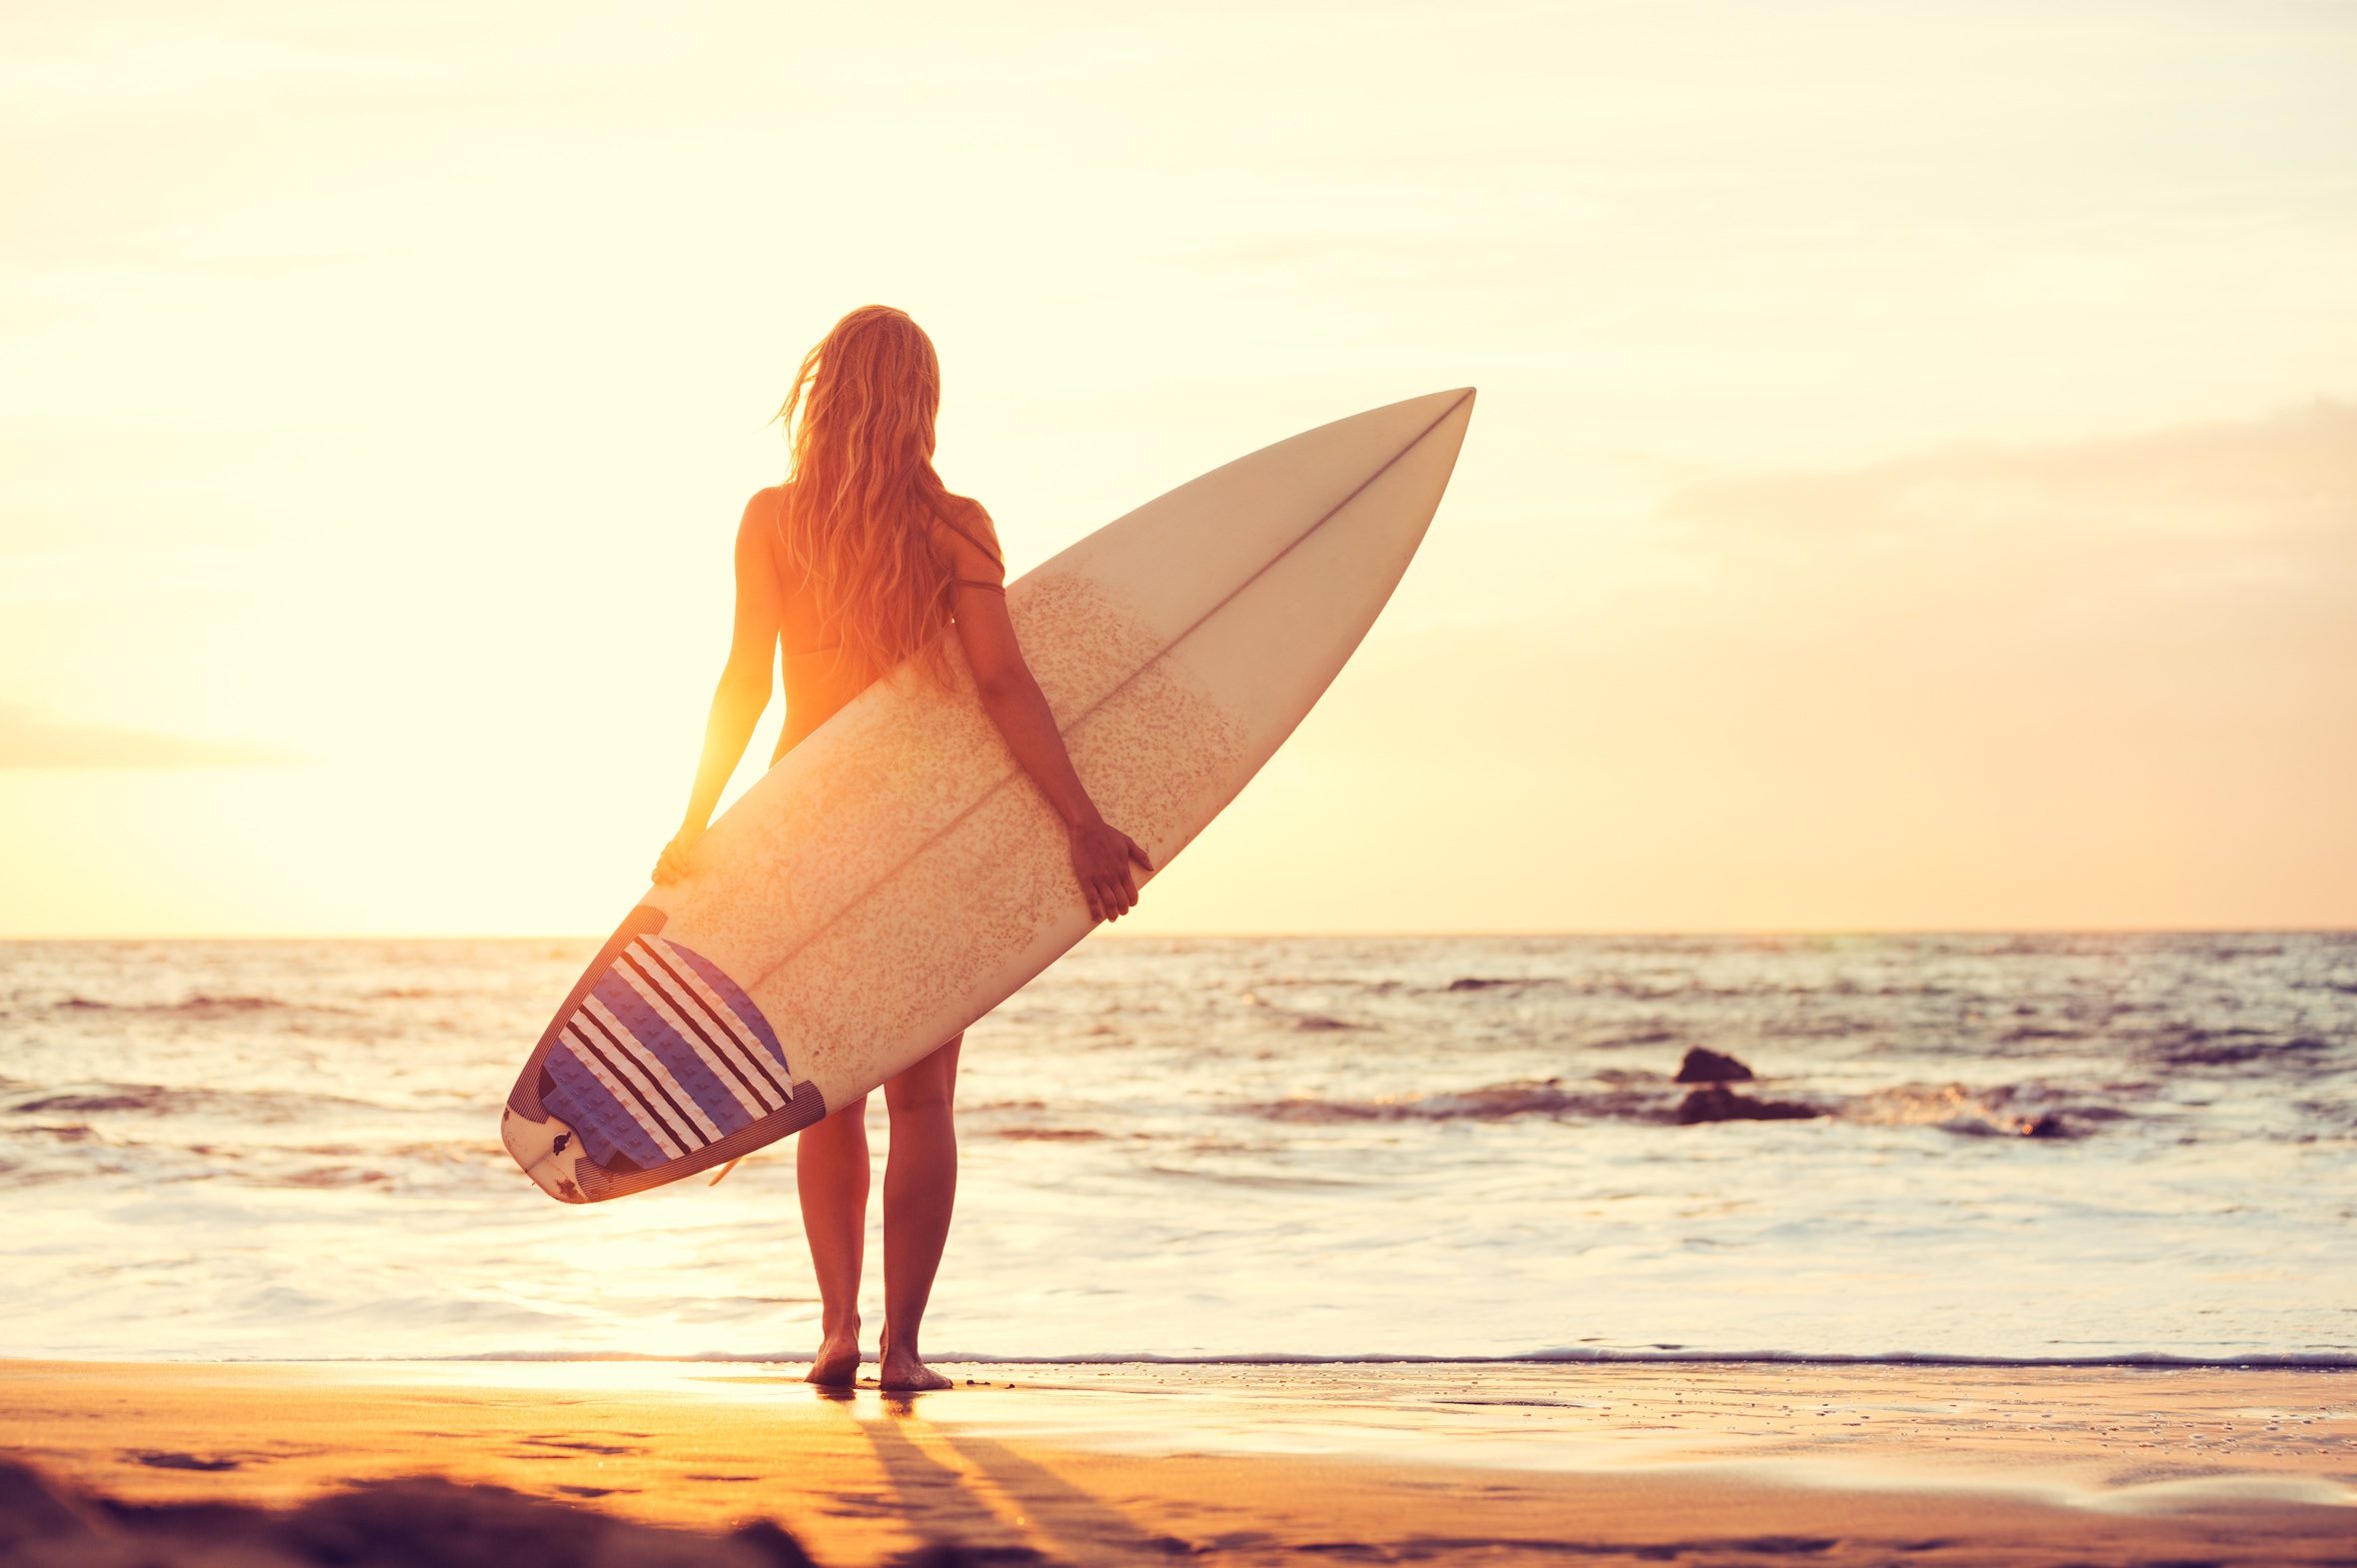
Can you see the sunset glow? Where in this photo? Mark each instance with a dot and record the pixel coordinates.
(1915, 483)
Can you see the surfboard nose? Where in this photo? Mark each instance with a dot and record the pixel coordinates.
(1286, 630)
(1456, 416)
(1384, 433)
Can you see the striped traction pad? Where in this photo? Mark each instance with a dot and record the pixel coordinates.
(664, 1058)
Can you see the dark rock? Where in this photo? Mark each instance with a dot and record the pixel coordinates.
(185, 1524)
(418, 1523)
(781, 1549)
(1717, 1103)
(30, 1512)
(426, 1521)
(178, 1461)
(1708, 1067)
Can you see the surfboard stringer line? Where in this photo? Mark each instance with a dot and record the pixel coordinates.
(1065, 728)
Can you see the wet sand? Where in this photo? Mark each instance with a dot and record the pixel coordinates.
(1697, 1463)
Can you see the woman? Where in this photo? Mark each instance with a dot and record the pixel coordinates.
(850, 570)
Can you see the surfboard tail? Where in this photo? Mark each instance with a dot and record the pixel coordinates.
(657, 1066)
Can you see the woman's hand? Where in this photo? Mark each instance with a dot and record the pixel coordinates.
(674, 862)
(1101, 860)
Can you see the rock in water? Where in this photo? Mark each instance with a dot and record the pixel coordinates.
(1717, 1103)
(1708, 1067)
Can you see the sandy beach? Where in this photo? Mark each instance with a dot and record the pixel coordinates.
(1701, 1463)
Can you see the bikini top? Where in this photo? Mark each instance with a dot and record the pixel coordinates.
(998, 589)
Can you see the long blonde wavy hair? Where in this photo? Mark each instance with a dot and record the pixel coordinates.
(861, 493)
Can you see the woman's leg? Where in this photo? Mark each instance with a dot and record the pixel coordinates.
(920, 1188)
(831, 1169)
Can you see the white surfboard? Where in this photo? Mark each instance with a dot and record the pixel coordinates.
(896, 875)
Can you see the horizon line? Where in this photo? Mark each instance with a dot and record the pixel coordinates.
(1278, 934)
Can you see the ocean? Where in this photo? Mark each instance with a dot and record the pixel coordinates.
(2035, 1147)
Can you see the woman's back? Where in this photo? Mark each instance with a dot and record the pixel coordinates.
(818, 681)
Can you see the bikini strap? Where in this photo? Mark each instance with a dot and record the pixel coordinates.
(986, 587)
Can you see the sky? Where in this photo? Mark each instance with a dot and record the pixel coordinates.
(1914, 484)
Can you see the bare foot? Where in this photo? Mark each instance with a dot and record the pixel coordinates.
(837, 1364)
(900, 1372)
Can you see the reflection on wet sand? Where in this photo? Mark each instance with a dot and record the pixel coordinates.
(1269, 1465)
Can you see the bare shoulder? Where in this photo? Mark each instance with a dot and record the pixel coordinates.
(969, 512)
(762, 514)
(968, 518)
(758, 527)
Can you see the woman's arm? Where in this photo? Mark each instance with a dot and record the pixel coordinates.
(744, 690)
(1102, 854)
